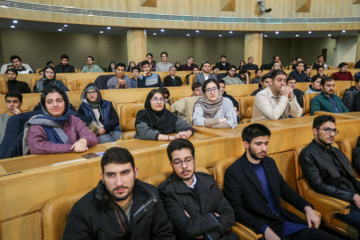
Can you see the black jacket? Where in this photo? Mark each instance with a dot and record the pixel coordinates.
(356, 156)
(321, 173)
(19, 86)
(168, 82)
(67, 69)
(243, 189)
(96, 216)
(299, 96)
(222, 67)
(101, 81)
(348, 97)
(178, 197)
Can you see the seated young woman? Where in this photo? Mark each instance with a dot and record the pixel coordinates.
(101, 112)
(212, 110)
(49, 80)
(56, 130)
(155, 122)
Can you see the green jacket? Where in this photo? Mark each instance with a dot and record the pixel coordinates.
(322, 103)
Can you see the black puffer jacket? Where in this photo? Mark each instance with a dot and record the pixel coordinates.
(95, 216)
(321, 173)
(356, 156)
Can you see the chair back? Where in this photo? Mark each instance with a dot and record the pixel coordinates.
(307, 101)
(246, 105)
(220, 168)
(37, 78)
(80, 84)
(3, 86)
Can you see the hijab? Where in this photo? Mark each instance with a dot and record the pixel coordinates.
(163, 121)
(46, 82)
(95, 104)
(210, 107)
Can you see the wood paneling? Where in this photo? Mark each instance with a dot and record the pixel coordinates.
(136, 45)
(254, 47)
(227, 5)
(303, 6)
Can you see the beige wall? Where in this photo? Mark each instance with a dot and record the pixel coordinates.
(36, 48)
(345, 49)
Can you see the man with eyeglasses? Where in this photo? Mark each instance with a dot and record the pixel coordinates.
(193, 201)
(328, 171)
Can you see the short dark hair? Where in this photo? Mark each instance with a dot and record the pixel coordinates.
(232, 66)
(250, 57)
(256, 71)
(150, 54)
(136, 68)
(164, 53)
(117, 155)
(222, 81)
(206, 62)
(275, 56)
(179, 144)
(13, 57)
(195, 85)
(253, 131)
(307, 68)
(320, 120)
(12, 70)
(299, 63)
(120, 65)
(289, 78)
(196, 68)
(357, 79)
(164, 91)
(294, 59)
(214, 67)
(190, 57)
(273, 63)
(223, 56)
(264, 77)
(314, 78)
(319, 56)
(14, 94)
(64, 56)
(49, 63)
(146, 62)
(172, 67)
(277, 72)
(319, 68)
(90, 57)
(242, 71)
(343, 64)
(326, 79)
(203, 87)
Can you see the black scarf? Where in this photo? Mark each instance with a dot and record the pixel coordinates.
(163, 121)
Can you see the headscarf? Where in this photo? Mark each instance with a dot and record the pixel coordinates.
(83, 98)
(210, 107)
(163, 121)
(45, 82)
(129, 68)
(111, 69)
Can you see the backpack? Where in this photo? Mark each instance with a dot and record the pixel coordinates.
(348, 98)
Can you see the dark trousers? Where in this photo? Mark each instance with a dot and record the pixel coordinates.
(311, 234)
(353, 218)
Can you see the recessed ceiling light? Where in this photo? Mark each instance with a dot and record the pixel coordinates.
(343, 31)
(230, 32)
(309, 32)
(197, 31)
(154, 34)
(277, 32)
(108, 28)
(220, 35)
(162, 30)
(65, 25)
(60, 30)
(15, 21)
(297, 35)
(188, 34)
(101, 31)
(329, 35)
(265, 35)
(12, 26)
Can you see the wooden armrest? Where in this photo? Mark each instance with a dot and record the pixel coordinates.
(245, 233)
(297, 212)
(327, 206)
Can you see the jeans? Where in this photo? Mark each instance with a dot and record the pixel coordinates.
(311, 234)
(353, 218)
(112, 136)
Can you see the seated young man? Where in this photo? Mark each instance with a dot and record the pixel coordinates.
(291, 82)
(120, 206)
(315, 85)
(19, 66)
(135, 71)
(172, 80)
(299, 73)
(148, 79)
(266, 80)
(15, 85)
(328, 171)
(277, 101)
(196, 89)
(13, 103)
(64, 66)
(343, 74)
(254, 187)
(205, 75)
(257, 78)
(230, 78)
(327, 101)
(350, 94)
(195, 204)
(91, 66)
(120, 80)
(195, 71)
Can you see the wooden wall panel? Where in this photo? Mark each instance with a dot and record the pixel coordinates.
(24, 227)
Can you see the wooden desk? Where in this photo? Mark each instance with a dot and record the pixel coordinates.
(344, 115)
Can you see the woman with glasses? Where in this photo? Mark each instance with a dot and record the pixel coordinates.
(56, 130)
(155, 122)
(48, 80)
(212, 110)
(102, 113)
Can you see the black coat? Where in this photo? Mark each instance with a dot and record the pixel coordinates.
(243, 189)
(95, 216)
(356, 156)
(321, 173)
(68, 69)
(177, 197)
(168, 82)
(222, 67)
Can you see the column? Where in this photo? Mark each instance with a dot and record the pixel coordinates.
(254, 47)
(136, 45)
(358, 48)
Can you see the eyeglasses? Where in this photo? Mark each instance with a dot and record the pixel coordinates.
(329, 131)
(179, 163)
(91, 92)
(158, 99)
(211, 90)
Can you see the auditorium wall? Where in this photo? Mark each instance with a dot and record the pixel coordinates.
(345, 50)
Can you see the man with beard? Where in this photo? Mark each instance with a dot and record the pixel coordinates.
(328, 171)
(230, 78)
(195, 204)
(253, 185)
(15, 85)
(205, 75)
(121, 206)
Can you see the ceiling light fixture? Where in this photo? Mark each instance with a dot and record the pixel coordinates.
(197, 31)
(231, 32)
(154, 34)
(15, 21)
(108, 28)
(297, 35)
(101, 31)
(65, 25)
(220, 35)
(277, 32)
(188, 34)
(12, 26)
(329, 35)
(162, 30)
(309, 32)
(265, 35)
(343, 31)
(60, 30)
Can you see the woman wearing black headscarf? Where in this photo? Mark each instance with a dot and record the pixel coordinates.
(155, 122)
(49, 80)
